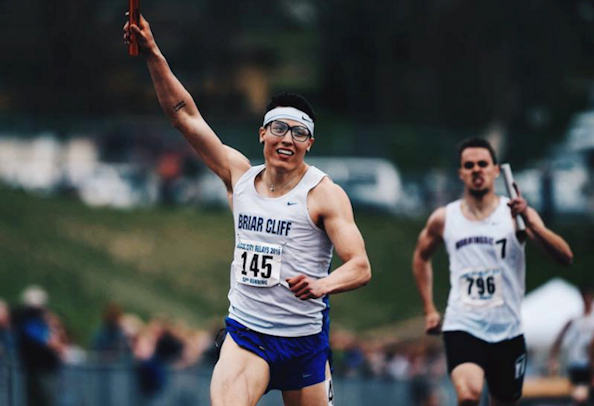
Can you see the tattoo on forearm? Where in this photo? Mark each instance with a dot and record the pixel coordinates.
(179, 106)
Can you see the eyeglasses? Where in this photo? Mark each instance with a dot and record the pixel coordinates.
(470, 165)
(298, 132)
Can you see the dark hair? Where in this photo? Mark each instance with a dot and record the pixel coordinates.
(291, 100)
(476, 142)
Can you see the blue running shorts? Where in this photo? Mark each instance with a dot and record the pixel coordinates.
(295, 362)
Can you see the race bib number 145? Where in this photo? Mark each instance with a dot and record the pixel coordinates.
(257, 263)
(481, 288)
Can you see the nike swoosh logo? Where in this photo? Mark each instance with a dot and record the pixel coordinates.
(306, 119)
(291, 203)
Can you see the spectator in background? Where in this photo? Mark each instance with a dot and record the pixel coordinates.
(397, 362)
(169, 171)
(168, 349)
(39, 347)
(132, 327)
(7, 341)
(354, 361)
(211, 352)
(195, 342)
(70, 353)
(375, 357)
(577, 337)
(7, 355)
(426, 370)
(110, 341)
(348, 359)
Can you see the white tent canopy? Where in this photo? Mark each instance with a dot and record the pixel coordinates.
(546, 310)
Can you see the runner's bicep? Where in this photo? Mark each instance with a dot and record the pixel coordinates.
(431, 236)
(340, 226)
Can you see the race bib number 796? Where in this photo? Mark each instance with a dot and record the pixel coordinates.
(481, 288)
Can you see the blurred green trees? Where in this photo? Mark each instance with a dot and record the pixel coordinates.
(457, 64)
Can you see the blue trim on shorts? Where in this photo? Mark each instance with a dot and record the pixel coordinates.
(326, 328)
(295, 362)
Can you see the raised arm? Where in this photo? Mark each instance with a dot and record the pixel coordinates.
(330, 207)
(181, 110)
(549, 241)
(429, 239)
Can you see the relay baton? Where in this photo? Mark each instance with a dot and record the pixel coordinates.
(511, 191)
(133, 18)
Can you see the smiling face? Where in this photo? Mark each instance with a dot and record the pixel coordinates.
(283, 152)
(477, 171)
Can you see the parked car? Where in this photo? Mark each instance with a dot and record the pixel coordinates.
(565, 178)
(117, 185)
(372, 183)
(571, 183)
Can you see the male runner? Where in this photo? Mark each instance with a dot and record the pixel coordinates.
(576, 337)
(288, 216)
(482, 327)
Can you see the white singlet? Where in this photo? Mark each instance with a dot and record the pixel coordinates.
(487, 272)
(276, 239)
(577, 340)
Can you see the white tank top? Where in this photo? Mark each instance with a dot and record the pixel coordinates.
(577, 340)
(487, 272)
(275, 239)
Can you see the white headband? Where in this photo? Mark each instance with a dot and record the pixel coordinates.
(289, 113)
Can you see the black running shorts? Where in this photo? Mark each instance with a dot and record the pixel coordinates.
(504, 362)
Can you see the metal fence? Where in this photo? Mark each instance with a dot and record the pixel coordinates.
(112, 384)
(117, 384)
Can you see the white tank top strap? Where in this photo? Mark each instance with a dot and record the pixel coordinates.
(312, 178)
(248, 177)
(453, 215)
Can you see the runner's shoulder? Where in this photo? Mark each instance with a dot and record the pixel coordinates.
(327, 193)
(239, 164)
(326, 200)
(436, 222)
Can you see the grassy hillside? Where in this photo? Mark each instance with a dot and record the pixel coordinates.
(176, 262)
